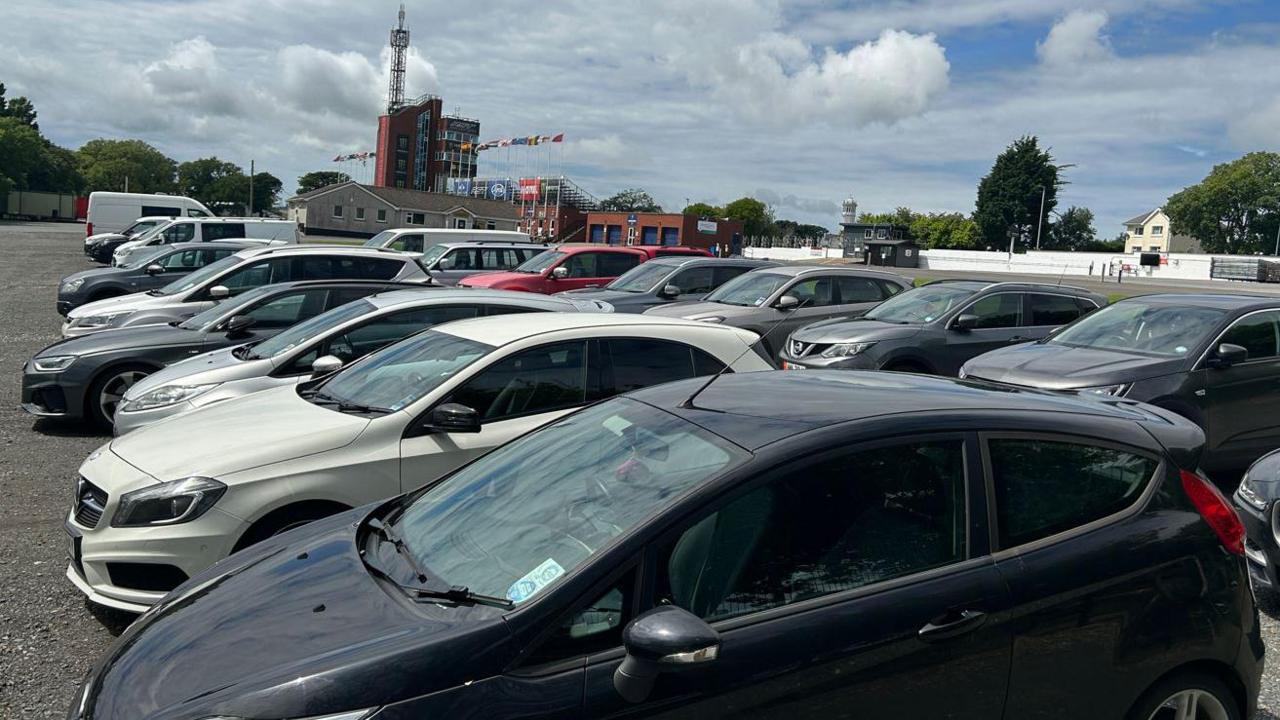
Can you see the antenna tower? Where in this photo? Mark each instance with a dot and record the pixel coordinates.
(399, 47)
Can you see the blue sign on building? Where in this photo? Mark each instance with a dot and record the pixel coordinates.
(497, 190)
(462, 186)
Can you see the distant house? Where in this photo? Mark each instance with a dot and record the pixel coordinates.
(1149, 232)
(364, 210)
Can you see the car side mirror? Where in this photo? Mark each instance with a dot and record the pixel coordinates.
(1228, 354)
(669, 292)
(238, 325)
(664, 639)
(219, 292)
(453, 418)
(560, 273)
(154, 269)
(787, 302)
(967, 321)
(326, 364)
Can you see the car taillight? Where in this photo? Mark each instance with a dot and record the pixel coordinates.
(88, 229)
(1215, 510)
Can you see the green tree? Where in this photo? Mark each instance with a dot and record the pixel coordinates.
(20, 148)
(1009, 195)
(952, 231)
(800, 230)
(1073, 231)
(1235, 209)
(266, 191)
(903, 216)
(56, 170)
(320, 178)
(106, 164)
(703, 210)
(630, 200)
(18, 108)
(197, 178)
(756, 217)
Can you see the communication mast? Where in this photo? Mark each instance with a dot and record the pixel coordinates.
(399, 47)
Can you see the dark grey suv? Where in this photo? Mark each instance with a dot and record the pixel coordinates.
(663, 280)
(937, 327)
(1212, 358)
(152, 270)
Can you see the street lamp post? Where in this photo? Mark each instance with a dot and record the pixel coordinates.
(1040, 219)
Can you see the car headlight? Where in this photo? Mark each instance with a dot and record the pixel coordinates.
(165, 395)
(53, 363)
(840, 350)
(168, 503)
(1249, 493)
(71, 286)
(712, 319)
(962, 374)
(349, 715)
(1109, 390)
(115, 319)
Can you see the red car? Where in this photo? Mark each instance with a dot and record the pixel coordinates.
(656, 251)
(565, 267)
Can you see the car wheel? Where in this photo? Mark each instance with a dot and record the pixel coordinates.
(286, 519)
(108, 390)
(1187, 696)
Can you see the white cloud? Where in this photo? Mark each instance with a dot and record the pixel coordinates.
(1259, 128)
(1076, 39)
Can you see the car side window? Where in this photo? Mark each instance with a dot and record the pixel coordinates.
(541, 379)
(185, 260)
(722, 275)
(594, 628)
(364, 339)
(1256, 333)
(178, 233)
(284, 310)
(616, 263)
(814, 292)
(222, 231)
(1044, 487)
(859, 290)
(208, 256)
(362, 268)
(641, 362)
(256, 275)
(1051, 309)
(583, 265)
(1001, 310)
(412, 243)
(824, 527)
(889, 289)
(694, 281)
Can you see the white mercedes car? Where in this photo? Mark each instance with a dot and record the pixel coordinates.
(158, 505)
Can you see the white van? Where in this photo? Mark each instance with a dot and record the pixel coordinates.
(419, 239)
(111, 212)
(205, 229)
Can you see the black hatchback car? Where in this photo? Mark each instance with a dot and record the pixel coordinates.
(770, 545)
(154, 269)
(87, 376)
(1212, 358)
(1258, 503)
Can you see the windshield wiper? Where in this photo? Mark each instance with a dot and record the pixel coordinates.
(346, 406)
(155, 293)
(455, 593)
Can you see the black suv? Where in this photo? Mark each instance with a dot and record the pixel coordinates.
(779, 544)
(937, 327)
(1212, 358)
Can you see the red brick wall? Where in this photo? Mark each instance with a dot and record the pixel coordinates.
(687, 225)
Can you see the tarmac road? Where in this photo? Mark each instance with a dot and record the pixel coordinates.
(48, 637)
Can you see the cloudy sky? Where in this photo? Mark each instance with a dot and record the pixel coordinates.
(901, 102)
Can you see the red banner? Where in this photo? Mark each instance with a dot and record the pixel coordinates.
(529, 189)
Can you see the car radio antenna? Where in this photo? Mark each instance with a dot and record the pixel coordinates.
(688, 402)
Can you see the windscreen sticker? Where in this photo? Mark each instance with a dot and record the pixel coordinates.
(536, 579)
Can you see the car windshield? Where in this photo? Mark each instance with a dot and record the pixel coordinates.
(144, 257)
(399, 374)
(532, 511)
(432, 254)
(308, 330)
(148, 234)
(641, 278)
(920, 305)
(540, 262)
(749, 289)
(380, 239)
(1144, 327)
(191, 280)
(227, 308)
(138, 228)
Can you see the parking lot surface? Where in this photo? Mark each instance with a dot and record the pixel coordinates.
(48, 637)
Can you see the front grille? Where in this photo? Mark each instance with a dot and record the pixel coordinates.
(91, 500)
(145, 576)
(798, 349)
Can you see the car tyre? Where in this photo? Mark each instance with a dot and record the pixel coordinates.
(286, 519)
(1191, 695)
(108, 389)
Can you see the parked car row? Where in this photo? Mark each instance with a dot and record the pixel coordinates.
(490, 501)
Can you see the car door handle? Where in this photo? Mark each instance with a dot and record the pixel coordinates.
(951, 624)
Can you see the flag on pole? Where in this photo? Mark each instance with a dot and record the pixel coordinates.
(559, 137)
(532, 139)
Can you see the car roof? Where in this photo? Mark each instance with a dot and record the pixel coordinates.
(504, 329)
(584, 246)
(434, 294)
(498, 243)
(210, 244)
(1224, 301)
(303, 249)
(336, 283)
(797, 270)
(794, 402)
(977, 285)
(682, 260)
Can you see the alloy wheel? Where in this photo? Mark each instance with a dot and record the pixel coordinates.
(114, 388)
(1191, 705)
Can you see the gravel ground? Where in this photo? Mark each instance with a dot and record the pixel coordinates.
(48, 635)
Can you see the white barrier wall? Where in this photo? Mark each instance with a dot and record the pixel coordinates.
(1180, 265)
(790, 254)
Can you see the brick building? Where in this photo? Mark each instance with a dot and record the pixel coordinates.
(357, 210)
(420, 148)
(638, 228)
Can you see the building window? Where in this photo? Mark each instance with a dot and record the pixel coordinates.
(881, 234)
(1154, 248)
(400, 164)
(382, 215)
(337, 211)
(359, 213)
(417, 218)
(491, 225)
(1157, 229)
(867, 233)
(399, 183)
(460, 223)
(1137, 230)
(1137, 248)
(402, 142)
